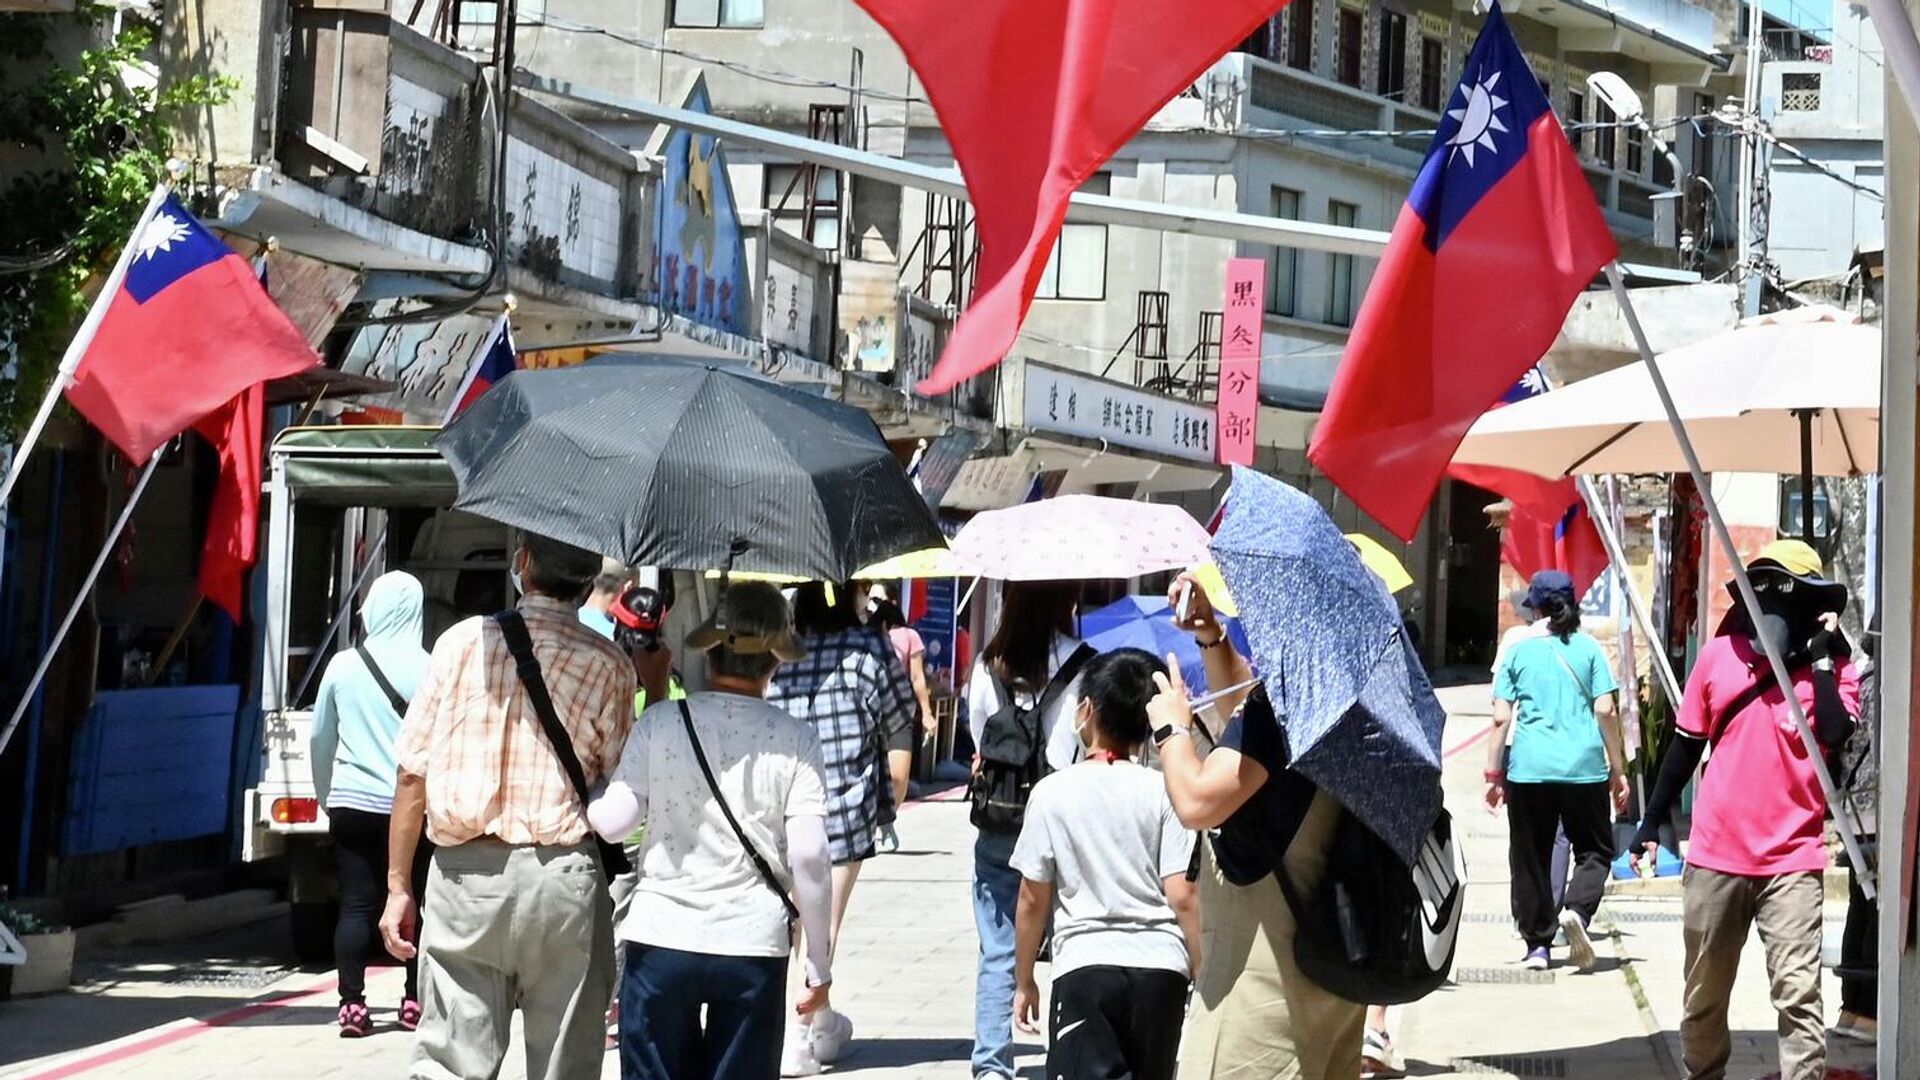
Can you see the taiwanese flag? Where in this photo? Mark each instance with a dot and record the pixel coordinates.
(1499, 233)
(1548, 527)
(497, 361)
(189, 328)
(1033, 96)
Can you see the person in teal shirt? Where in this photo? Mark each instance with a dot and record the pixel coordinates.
(1566, 770)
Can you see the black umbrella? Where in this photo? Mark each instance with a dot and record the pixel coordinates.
(687, 464)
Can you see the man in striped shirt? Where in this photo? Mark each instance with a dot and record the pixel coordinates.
(522, 912)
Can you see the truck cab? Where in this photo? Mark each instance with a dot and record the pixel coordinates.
(346, 504)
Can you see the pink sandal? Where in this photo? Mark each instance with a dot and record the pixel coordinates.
(409, 1014)
(355, 1021)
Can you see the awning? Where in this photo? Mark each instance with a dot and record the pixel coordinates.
(364, 466)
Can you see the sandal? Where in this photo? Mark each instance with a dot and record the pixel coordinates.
(409, 1014)
(355, 1021)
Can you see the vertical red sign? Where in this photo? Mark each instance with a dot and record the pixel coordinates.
(1240, 340)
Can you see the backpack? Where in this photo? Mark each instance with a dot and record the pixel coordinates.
(1375, 930)
(1013, 752)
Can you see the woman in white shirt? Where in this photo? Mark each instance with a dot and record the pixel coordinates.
(1035, 637)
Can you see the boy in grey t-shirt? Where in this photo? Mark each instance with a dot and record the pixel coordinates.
(1103, 851)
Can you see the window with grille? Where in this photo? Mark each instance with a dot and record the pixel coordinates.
(1299, 17)
(1433, 73)
(1603, 137)
(1283, 290)
(719, 14)
(1391, 81)
(1636, 150)
(1340, 280)
(1077, 269)
(1576, 116)
(1346, 45)
(1800, 91)
(784, 197)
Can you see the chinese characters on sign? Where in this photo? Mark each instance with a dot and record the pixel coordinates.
(1240, 334)
(1074, 403)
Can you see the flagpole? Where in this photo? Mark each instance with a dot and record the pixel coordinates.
(1842, 809)
(77, 348)
(79, 600)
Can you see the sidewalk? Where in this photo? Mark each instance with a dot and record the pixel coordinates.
(228, 1007)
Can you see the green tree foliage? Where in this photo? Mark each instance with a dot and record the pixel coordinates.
(103, 140)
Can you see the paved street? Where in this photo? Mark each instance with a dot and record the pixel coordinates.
(231, 1007)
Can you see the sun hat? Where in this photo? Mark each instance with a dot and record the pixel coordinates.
(1797, 560)
(751, 618)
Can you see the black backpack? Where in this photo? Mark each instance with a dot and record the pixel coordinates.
(1377, 931)
(1013, 751)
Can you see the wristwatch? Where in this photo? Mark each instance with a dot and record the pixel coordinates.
(1165, 732)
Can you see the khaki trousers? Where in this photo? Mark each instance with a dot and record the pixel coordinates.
(1254, 1015)
(1719, 909)
(514, 927)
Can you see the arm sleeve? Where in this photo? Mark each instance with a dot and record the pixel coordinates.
(1676, 768)
(623, 806)
(813, 891)
(1504, 687)
(1033, 853)
(807, 795)
(429, 706)
(1176, 842)
(983, 700)
(325, 741)
(616, 721)
(1599, 673)
(1832, 716)
(1063, 744)
(895, 705)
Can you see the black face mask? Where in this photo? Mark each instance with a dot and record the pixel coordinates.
(1788, 615)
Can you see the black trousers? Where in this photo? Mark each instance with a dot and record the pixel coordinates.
(360, 859)
(1534, 812)
(1116, 1023)
(1860, 951)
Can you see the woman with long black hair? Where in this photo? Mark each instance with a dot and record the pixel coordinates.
(1567, 759)
(1034, 639)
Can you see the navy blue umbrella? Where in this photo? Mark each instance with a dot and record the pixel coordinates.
(1360, 716)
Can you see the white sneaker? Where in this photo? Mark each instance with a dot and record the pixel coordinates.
(1579, 942)
(797, 1057)
(832, 1031)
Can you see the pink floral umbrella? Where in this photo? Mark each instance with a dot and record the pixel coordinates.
(1072, 537)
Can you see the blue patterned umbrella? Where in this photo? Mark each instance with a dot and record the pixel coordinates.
(1359, 713)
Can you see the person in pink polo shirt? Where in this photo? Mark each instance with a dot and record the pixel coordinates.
(1757, 852)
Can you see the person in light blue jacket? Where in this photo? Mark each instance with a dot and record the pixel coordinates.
(363, 696)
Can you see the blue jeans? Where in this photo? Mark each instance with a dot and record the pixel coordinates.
(996, 894)
(661, 994)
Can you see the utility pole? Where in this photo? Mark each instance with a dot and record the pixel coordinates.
(1754, 193)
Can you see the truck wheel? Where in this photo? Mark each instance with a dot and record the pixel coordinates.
(313, 931)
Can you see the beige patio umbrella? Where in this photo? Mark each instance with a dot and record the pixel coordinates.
(1794, 392)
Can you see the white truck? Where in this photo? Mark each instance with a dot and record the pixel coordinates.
(346, 504)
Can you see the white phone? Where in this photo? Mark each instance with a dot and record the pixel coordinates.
(1186, 602)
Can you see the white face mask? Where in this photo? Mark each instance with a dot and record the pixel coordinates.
(513, 573)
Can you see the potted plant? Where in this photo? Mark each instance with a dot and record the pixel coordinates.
(49, 946)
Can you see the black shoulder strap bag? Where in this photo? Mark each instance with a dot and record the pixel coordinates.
(380, 679)
(613, 858)
(760, 862)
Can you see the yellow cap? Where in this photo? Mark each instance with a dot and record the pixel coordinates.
(1793, 556)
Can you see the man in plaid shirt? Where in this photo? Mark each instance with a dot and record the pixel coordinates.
(853, 689)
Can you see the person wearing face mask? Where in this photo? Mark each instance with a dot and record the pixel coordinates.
(1757, 854)
(488, 758)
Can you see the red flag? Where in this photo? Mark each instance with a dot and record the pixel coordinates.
(1499, 233)
(237, 430)
(1033, 97)
(1548, 527)
(189, 328)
